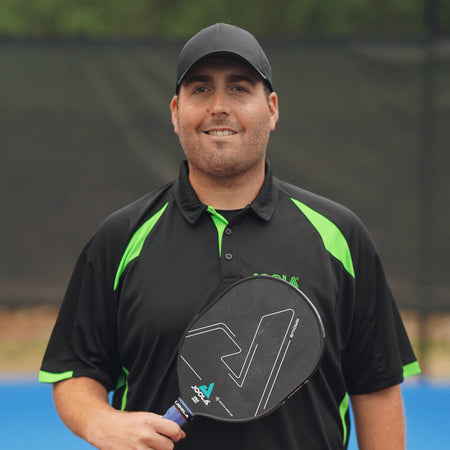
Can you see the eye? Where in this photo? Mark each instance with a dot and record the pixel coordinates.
(200, 90)
(241, 89)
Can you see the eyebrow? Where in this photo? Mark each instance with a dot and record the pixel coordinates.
(190, 79)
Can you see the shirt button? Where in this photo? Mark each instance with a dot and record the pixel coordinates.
(228, 256)
(228, 231)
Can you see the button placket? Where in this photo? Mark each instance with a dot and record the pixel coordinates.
(228, 254)
(229, 269)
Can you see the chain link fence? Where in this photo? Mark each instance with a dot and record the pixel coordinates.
(85, 128)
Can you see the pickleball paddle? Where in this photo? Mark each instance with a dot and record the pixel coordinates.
(248, 352)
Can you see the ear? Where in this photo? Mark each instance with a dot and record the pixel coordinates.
(174, 111)
(273, 108)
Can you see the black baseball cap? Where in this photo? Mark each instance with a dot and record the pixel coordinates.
(222, 39)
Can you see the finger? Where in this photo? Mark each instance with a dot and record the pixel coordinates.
(159, 442)
(170, 429)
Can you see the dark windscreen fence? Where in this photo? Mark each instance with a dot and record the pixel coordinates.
(85, 129)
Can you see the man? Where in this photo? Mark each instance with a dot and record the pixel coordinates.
(152, 266)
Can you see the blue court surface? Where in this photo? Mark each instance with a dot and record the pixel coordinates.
(28, 419)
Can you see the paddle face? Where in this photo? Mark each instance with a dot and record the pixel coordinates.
(259, 342)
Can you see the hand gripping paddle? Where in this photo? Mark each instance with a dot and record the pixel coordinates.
(248, 352)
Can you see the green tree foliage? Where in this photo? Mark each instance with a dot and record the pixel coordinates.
(176, 18)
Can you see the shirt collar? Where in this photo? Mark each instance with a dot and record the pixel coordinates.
(192, 208)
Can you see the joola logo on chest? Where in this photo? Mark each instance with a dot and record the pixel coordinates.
(293, 280)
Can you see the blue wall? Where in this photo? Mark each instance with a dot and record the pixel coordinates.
(28, 419)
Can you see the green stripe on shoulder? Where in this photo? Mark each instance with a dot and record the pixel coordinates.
(332, 238)
(136, 243)
(411, 369)
(48, 377)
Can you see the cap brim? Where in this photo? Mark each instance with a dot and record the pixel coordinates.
(222, 54)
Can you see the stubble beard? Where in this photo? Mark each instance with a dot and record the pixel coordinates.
(222, 164)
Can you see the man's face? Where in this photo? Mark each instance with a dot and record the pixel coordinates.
(223, 117)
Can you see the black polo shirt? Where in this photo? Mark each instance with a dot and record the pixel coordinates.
(153, 265)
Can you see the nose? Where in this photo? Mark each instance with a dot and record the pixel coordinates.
(219, 104)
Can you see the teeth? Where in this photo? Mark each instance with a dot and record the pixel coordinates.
(220, 133)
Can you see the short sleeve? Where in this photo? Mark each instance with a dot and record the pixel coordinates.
(378, 350)
(84, 339)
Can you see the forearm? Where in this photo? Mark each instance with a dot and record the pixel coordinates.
(80, 402)
(83, 405)
(379, 420)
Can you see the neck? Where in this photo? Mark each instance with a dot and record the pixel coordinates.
(227, 193)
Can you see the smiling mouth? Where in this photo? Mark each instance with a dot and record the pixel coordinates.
(220, 133)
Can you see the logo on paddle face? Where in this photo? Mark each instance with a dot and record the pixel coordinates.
(207, 390)
(203, 392)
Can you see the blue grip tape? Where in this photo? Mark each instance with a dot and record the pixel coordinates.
(179, 412)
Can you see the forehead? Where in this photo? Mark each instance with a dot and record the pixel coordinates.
(222, 66)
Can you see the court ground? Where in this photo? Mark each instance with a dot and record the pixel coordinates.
(29, 420)
(24, 333)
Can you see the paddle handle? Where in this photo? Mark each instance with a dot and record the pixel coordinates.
(179, 412)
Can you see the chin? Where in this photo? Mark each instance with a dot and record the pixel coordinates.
(232, 169)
